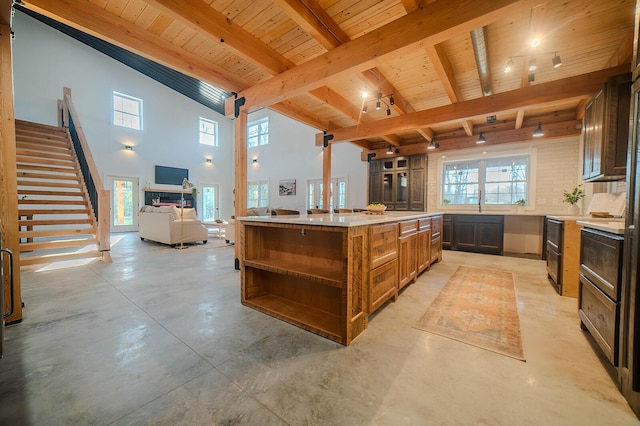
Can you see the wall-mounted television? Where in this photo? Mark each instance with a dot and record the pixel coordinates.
(171, 175)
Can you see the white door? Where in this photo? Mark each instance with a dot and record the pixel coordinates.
(210, 202)
(124, 203)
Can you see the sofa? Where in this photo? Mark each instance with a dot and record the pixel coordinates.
(162, 224)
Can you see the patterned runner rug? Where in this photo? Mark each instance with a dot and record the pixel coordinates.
(478, 307)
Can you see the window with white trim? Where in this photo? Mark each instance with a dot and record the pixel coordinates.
(208, 132)
(258, 133)
(500, 180)
(337, 199)
(127, 111)
(258, 194)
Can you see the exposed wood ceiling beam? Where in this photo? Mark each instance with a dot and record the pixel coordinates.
(202, 17)
(580, 109)
(444, 69)
(311, 17)
(467, 125)
(519, 118)
(623, 53)
(542, 94)
(430, 25)
(93, 20)
(427, 133)
(411, 5)
(551, 131)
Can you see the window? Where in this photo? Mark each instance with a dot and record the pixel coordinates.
(208, 132)
(127, 111)
(337, 199)
(258, 194)
(258, 133)
(500, 180)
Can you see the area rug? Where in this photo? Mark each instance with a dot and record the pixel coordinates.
(478, 307)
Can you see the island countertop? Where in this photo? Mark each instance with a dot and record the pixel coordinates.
(340, 219)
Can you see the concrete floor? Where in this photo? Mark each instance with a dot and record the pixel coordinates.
(160, 337)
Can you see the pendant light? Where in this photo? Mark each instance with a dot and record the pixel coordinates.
(538, 131)
(481, 138)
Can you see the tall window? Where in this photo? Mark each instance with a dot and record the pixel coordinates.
(209, 202)
(127, 111)
(337, 199)
(258, 133)
(208, 132)
(258, 194)
(500, 180)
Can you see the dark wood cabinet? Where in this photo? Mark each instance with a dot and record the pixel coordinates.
(447, 231)
(606, 131)
(399, 183)
(408, 252)
(555, 232)
(474, 233)
(600, 284)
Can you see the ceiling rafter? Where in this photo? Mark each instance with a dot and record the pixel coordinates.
(430, 25)
(519, 118)
(549, 93)
(91, 19)
(201, 16)
(467, 125)
(311, 17)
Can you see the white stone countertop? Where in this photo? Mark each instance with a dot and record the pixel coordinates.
(614, 227)
(587, 218)
(340, 219)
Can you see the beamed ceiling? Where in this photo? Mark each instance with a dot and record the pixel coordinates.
(442, 60)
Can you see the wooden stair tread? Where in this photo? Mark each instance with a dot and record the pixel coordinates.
(37, 160)
(44, 139)
(44, 193)
(54, 222)
(34, 146)
(31, 212)
(47, 176)
(71, 232)
(68, 169)
(50, 245)
(23, 124)
(49, 258)
(29, 183)
(53, 202)
(43, 154)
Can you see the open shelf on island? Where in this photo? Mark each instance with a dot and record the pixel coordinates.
(320, 322)
(305, 270)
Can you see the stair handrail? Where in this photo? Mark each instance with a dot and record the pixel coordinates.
(98, 195)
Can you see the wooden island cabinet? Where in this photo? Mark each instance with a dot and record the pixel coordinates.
(328, 273)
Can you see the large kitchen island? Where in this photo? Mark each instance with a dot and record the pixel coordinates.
(327, 273)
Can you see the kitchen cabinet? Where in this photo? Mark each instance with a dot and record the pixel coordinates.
(447, 230)
(563, 255)
(475, 233)
(424, 244)
(436, 239)
(606, 131)
(408, 252)
(399, 183)
(600, 288)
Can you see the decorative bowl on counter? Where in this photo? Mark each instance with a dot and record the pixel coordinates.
(376, 208)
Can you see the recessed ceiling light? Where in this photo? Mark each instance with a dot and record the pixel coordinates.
(535, 42)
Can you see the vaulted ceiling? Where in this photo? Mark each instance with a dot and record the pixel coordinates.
(443, 61)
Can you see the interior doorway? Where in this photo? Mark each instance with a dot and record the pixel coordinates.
(210, 202)
(124, 202)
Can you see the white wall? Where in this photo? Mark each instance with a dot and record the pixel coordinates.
(291, 154)
(45, 61)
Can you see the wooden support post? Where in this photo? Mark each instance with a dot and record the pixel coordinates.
(326, 177)
(240, 190)
(8, 174)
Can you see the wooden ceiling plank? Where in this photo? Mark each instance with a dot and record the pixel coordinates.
(519, 118)
(431, 25)
(311, 22)
(576, 87)
(392, 139)
(201, 17)
(93, 20)
(444, 69)
(427, 133)
(380, 82)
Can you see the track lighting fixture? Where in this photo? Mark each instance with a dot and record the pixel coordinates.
(379, 98)
(390, 150)
(509, 66)
(433, 145)
(531, 77)
(481, 138)
(538, 131)
(556, 61)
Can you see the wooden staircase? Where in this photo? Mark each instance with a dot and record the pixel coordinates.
(55, 213)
